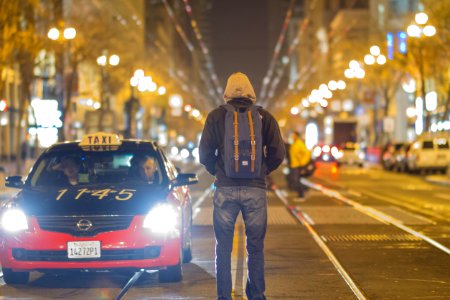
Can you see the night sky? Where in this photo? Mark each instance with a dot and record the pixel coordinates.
(240, 40)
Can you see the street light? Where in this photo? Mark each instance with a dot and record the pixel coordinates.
(64, 96)
(418, 30)
(375, 56)
(103, 61)
(68, 33)
(354, 70)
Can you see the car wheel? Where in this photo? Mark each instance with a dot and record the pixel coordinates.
(187, 252)
(11, 277)
(172, 273)
(187, 255)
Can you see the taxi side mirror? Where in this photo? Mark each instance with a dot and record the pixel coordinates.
(186, 179)
(14, 182)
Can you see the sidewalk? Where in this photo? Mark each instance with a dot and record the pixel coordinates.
(439, 179)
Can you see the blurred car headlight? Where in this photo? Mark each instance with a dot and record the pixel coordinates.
(162, 219)
(317, 151)
(195, 153)
(174, 151)
(184, 153)
(14, 220)
(335, 152)
(361, 155)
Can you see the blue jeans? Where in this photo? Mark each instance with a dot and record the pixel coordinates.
(252, 202)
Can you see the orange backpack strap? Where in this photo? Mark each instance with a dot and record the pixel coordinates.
(236, 142)
(252, 140)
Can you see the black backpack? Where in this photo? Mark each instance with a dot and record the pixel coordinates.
(243, 142)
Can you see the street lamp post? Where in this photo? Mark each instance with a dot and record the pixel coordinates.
(62, 36)
(418, 30)
(104, 61)
(375, 58)
(107, 118)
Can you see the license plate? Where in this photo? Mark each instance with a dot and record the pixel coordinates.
(88, 249)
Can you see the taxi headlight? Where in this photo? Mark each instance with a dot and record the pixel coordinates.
(162, 219)
(14, 220)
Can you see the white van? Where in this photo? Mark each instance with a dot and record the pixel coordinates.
(429, 154)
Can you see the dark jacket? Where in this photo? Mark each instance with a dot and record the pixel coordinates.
(211, 146)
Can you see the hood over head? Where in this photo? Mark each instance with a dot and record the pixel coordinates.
(239, 86)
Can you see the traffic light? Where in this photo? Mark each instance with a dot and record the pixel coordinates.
(3, 105)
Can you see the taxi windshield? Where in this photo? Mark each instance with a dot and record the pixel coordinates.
(70, 168)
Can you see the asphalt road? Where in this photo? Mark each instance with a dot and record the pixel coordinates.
(360, 234)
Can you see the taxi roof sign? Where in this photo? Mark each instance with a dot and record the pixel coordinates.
(100, 141)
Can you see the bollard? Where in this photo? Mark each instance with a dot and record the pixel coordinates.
(2, 179)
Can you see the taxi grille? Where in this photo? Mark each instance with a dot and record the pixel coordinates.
(106, 255)
(68, 224)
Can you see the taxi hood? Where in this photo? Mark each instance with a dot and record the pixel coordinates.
(89, 200)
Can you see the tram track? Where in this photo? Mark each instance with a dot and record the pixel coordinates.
(297, 213)
(377, 214)
(129, 285)
(381, 217)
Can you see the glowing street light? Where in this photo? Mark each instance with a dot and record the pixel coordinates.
(429, 30)
(413, 30)
(419, 28)
(369, 59)
(70, 33)
(381, 59)
(375, 50)
(101, 60)
(53, 34)
(332, 85)
(421, 18)
(295, 111)
(161, 90)
(114, 60)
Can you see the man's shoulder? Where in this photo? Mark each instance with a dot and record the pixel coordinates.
(217, 111)
(265, 114)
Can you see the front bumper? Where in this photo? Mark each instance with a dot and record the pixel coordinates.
(132, 248)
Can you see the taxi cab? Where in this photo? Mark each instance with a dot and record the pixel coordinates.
(99, 204)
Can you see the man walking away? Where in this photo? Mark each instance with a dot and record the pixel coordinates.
(233, 131)
(300, 157)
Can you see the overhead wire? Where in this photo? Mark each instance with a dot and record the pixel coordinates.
(186, 41)
(204, 49)
(267, 79)
(309, 69)
(139, 24)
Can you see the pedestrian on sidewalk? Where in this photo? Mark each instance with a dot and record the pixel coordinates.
(300, 156)
(231, 132)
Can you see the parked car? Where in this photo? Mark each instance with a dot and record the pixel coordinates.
(351, 154)
(400, 158)
(92, 205)
(388, 156)
(429, 154)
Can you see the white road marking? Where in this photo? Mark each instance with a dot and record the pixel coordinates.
(354, 193)
(195, 207)
(308, 218)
